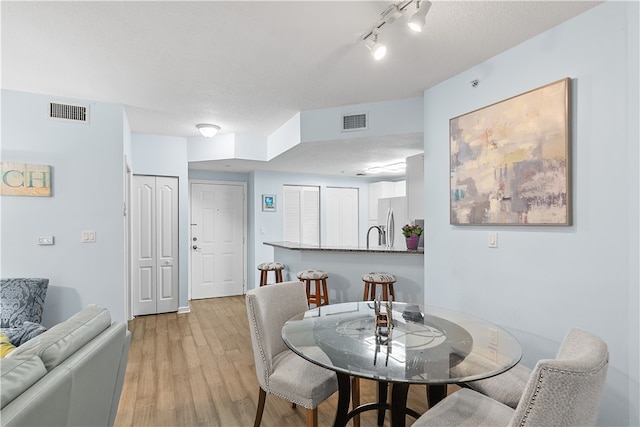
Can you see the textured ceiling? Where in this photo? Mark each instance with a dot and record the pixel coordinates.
(249, 66)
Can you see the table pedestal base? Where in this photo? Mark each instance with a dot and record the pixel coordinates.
(398, 405)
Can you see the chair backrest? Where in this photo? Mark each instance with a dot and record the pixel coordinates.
(566, 391)
(268, 308)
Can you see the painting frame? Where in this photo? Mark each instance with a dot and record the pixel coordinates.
(510, 162)
(269, 203)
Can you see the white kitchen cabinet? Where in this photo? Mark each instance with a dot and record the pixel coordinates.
(383, 190)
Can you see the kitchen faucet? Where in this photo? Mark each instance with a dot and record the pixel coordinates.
(382, 240)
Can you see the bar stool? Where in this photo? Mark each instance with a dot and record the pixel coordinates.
(266, 267)
(385, 280)
(319, 277)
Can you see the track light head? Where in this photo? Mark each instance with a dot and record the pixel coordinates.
(418, 20)
(378, 50)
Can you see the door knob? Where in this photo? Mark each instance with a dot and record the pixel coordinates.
(195, 247)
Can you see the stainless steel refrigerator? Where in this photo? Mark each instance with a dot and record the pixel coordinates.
(393, 211)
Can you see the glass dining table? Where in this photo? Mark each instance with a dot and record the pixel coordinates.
(397, 345)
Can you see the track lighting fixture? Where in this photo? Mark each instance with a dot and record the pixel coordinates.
(378, 50)
(392, 14)
(208, 130)
(417, 21)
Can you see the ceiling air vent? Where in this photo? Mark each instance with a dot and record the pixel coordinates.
(74, 113)
(354, 122)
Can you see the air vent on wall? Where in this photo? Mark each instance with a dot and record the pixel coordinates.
(354, 122)
(71, 112)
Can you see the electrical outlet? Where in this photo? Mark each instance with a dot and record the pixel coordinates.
(45, 240)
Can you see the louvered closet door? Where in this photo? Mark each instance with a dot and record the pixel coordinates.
(301, 216)
(342, 216)
(154, 244)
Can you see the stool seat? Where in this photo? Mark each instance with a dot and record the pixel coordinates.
(312, 274)
(266, 267)
(379, 277)
(271, 266)
(319, 277)
(372, 280)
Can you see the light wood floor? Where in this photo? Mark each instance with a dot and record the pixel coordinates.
(197, 369)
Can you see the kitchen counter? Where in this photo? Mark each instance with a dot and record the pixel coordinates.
(375, 249)
(346, 265)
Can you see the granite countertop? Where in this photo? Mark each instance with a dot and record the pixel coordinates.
(302, 247)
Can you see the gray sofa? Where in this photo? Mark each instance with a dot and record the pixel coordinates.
(70, 375)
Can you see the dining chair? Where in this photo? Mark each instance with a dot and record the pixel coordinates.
(506, 388)
(565, 391)
(280, 371)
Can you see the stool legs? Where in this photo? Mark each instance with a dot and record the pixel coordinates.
(264, 276)
(321, 296)
(365, 297)
(370, 291)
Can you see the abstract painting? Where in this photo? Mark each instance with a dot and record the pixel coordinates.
(510, 161)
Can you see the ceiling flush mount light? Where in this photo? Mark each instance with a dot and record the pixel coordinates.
(208, 130)
(418, 20)
(378, 50)
(391, 168)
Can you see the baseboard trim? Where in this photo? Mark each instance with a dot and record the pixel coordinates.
(183, 310)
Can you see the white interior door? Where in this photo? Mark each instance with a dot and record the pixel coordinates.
(154, 248)
(217, 240)
(342, 216)
(301, 214)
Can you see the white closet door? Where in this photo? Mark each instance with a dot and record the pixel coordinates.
(154, 245)
(301, 214)
(342, 216)
(291, 213)
(167, 244)
(310, 215)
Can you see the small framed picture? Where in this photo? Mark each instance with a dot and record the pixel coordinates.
(268, 203)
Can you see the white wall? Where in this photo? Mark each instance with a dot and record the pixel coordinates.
(88, 194)
(167, 156)
(541, 281)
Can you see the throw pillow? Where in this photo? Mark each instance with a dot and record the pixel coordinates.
(5, 345)
(21, 300)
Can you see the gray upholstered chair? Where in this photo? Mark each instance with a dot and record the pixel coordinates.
(506, 388)
(280, 371)
(565, 391)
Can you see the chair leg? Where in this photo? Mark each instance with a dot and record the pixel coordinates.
(312, 417)
(365, 296)
(261, 399)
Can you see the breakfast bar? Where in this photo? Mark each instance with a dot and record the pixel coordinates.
(346, 265)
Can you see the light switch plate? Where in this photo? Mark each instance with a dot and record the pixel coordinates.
(493, 240)
(45, 240)
(89, 236)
